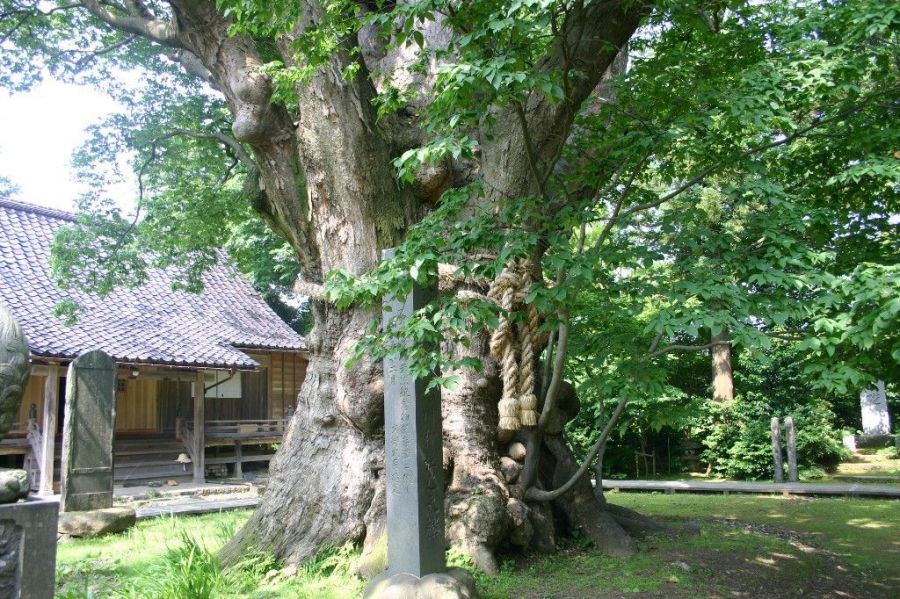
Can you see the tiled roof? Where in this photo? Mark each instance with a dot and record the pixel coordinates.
(151, 324)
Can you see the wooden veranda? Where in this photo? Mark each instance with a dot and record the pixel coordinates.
(157, 420)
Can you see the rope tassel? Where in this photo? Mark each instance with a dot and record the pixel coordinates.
(518, 407)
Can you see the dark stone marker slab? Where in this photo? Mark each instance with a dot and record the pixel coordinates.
(412, 447)
(28, 549)
(90, 416)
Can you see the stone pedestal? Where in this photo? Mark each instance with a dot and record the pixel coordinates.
(454, 583)
(28, 549)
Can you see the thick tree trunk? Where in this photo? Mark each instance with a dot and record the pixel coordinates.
(722, 375)
(327, 185)
(328, 470)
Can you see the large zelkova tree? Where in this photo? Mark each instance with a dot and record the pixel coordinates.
(636, 176)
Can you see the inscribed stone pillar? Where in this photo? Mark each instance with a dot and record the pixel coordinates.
(88, 427)
(413, 458)
(776, 450)
(873, 404)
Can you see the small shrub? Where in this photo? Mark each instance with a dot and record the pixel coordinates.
(738, 436)
(812, 473)
(890, 453)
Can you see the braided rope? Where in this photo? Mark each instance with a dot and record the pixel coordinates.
(502, 344)
(514, 349)
(528, 402)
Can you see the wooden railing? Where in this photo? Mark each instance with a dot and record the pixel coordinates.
(228, 433)
(240, 429)
(17, 433)
(16, 439)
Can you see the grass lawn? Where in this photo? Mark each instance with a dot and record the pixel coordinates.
(864, 532)
(840, 547)
(881, 462)
(173, 558)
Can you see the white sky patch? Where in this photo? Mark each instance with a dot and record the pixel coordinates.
(39, 131)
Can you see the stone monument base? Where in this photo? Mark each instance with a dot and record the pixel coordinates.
(28, 548)
(455, 583)
(869, 441)
(94, 523)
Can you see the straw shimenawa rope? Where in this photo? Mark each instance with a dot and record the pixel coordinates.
(513, 347)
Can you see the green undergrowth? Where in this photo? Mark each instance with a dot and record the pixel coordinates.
(865, 532)
(175, 557)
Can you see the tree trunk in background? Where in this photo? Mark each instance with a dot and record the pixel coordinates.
(722, 375)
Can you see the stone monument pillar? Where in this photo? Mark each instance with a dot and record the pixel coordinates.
(412, 456)
(415, 478)
(873, 404)
(88, 427)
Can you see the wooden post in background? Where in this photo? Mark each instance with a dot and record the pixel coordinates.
(238, 459)
(200, 429)
(776, 450)
(791, 434)
(48, 429)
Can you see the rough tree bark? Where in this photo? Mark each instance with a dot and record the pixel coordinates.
(722, 375)
(327, 185)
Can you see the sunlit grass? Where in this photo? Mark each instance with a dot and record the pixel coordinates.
(865, 532)
(175, 557)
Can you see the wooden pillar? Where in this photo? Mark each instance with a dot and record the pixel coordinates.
(48, 429)
(791, 434)
(238, 458)
(200, 429)
(776, 450)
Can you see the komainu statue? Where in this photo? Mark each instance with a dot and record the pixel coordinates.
(14, 369)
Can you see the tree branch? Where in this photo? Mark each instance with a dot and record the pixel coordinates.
(230, 142)
(92, 54)
(685, 348)
(706, 172)
(164, 32)
(535, 494)
(193, 65)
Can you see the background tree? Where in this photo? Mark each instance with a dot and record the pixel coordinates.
(472, 134)
(8, 189)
